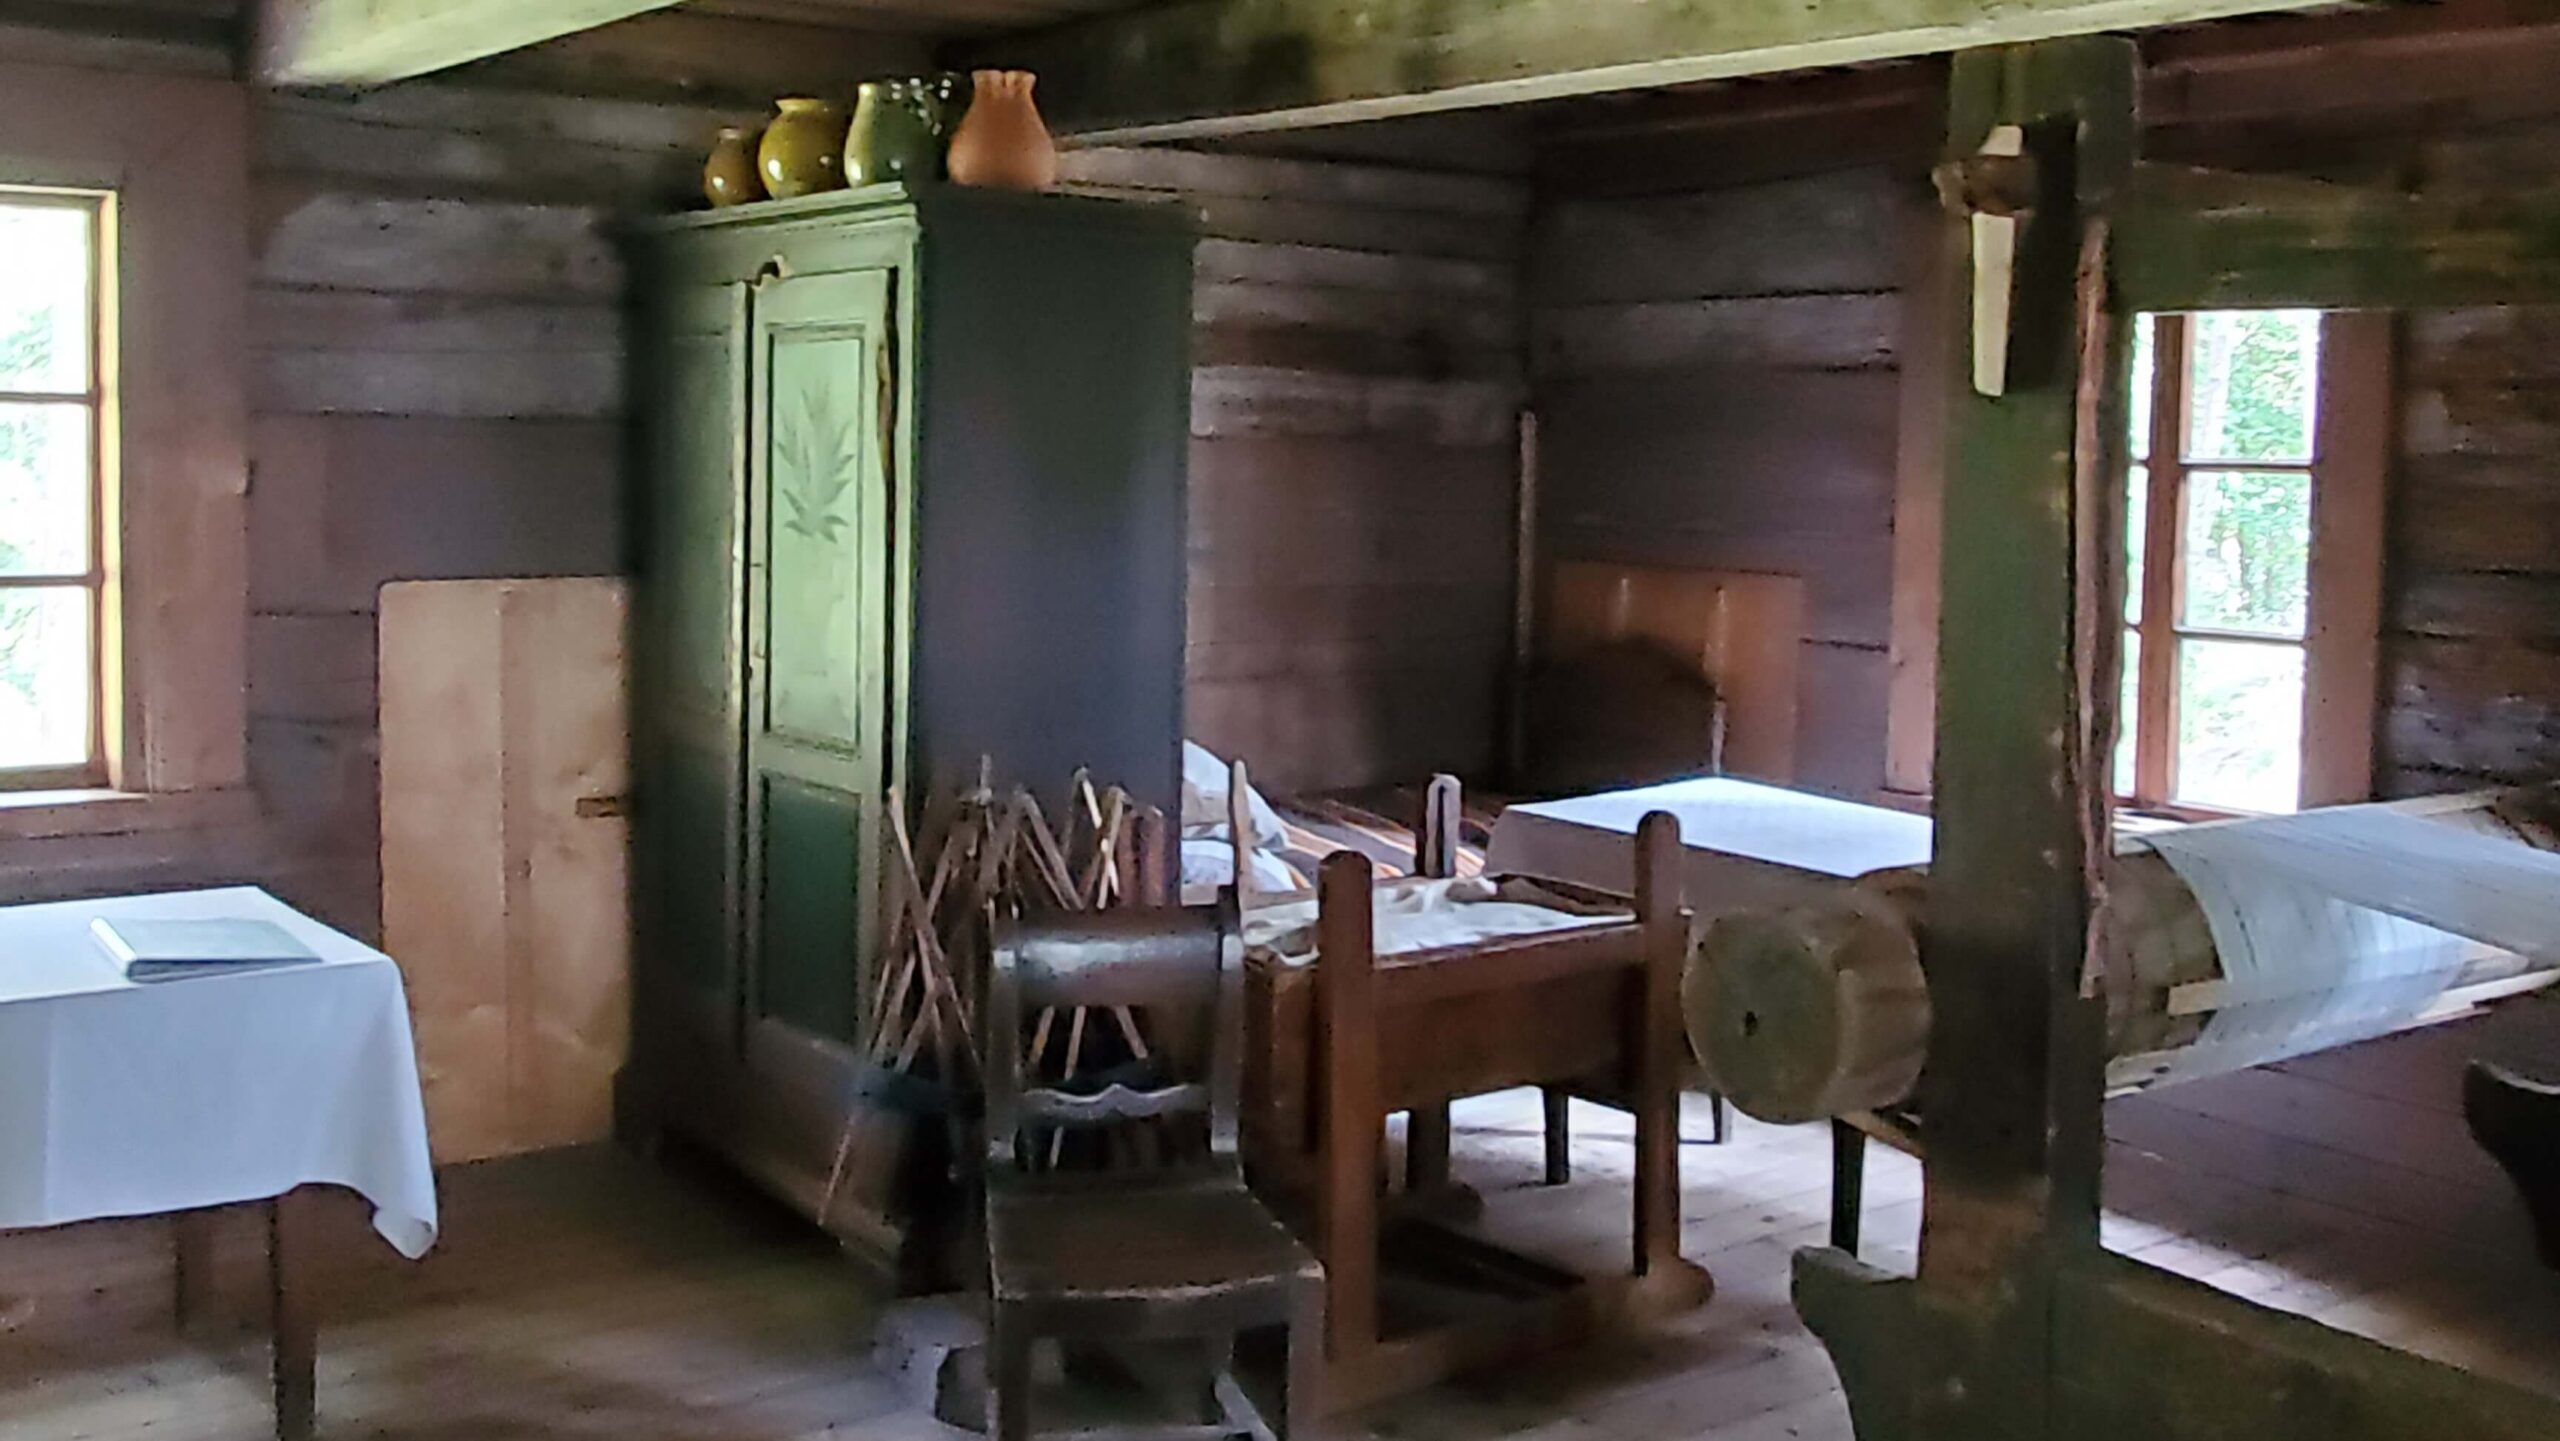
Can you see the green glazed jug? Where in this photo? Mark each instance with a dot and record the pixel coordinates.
(896, 134)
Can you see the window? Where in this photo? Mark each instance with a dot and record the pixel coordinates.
(54, 450)
(2229, 448)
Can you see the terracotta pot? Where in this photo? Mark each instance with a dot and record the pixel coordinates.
(896, 134)
(730, 176)
(1002, 143)
(803, 149)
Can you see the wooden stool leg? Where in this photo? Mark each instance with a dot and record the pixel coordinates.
(1302, 1392)
(1559, 1132)
(296, 1326)
(1426, 1149)
(1008, 1380)
(1848, 1184)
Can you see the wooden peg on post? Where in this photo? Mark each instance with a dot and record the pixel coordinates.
(1994, 190)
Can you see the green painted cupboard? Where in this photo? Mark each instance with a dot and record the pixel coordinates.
(911, 493)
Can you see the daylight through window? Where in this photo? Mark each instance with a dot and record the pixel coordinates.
(53, 393)
(2217, 594)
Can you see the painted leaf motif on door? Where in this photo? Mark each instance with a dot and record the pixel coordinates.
(819, 542)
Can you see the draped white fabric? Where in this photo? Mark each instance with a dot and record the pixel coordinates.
(2339, 925)
(126, 1099)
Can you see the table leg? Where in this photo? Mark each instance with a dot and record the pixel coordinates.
(295, 1325)
(192, 1237)
(1657, 1045)
(1426, 1149)
(1848, 1184)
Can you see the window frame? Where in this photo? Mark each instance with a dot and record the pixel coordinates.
(174, 151)
(2341, 638)
(97, 398)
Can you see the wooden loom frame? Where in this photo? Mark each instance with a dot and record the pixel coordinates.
(2019, 1324)
(1337, 1047)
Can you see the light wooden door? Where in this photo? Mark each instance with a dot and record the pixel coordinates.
(505, 895)
(822, 403)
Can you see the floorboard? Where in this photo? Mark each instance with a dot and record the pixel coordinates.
(591, 1295)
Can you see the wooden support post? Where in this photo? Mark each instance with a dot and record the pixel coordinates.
(2029, 627)
(2028, 631)
(295, 1324)
(1659, 1046)
(1347, 1191)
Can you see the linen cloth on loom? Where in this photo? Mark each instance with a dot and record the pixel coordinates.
(2340, 925)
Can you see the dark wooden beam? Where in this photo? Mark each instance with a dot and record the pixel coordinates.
(374, 42)
(1745, 132)
(2200, 239)
(1203, 67)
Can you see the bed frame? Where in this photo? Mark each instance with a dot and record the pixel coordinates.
(1332, 1049)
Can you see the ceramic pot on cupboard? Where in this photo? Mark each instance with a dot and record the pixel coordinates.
(803, 149)
(1002, 143)
(730, 176)
(896, 134)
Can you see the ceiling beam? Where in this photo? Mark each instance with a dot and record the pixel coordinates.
(373, 42)
(1210, 67)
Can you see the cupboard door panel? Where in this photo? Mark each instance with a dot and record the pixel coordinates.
(812, 844)
(822, 401)
(690, 664)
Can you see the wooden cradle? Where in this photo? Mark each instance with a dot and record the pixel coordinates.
(1333, 1048)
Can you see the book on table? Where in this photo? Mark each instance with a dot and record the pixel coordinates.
(163, 949)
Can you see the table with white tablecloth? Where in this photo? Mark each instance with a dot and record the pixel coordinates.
(1744, 845)
(121, 1099)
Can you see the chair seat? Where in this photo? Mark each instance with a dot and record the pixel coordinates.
(1131, 1243)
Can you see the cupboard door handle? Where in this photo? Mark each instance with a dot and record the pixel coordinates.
(771, 271)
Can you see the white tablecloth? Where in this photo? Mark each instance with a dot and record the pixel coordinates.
(1745, 845)
(118, 1099)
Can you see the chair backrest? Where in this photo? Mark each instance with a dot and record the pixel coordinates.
(1182, 968)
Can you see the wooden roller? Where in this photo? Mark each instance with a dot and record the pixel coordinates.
(1823, 1010)
(1810, 1012)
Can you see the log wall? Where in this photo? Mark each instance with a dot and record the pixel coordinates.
(1356, 383)
(2471, 644)
(436, 379)
(1716, 370)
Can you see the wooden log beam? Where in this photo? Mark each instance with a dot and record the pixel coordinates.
(2199, 239)
(1206, 67)
(373, 42)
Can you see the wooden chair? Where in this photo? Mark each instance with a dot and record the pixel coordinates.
(1173, 1250)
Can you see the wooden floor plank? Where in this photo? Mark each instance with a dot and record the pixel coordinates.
(590, 1295)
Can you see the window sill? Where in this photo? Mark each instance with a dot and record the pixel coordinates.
(45, 815)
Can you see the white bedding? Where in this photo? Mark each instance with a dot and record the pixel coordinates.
(1414, 915)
